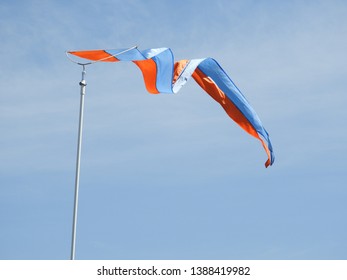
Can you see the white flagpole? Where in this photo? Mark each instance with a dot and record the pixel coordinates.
(78, 162)
(83, 85)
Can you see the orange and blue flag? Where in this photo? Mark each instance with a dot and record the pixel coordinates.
(163, 75)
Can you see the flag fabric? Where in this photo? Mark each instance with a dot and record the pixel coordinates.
(163, 75)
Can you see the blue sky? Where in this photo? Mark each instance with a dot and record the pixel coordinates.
(171, 176)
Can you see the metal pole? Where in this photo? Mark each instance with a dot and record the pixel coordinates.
(80, 128)
(78, 160)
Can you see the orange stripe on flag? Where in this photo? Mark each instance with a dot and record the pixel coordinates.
(149, 72)
(96, 55)
(234, 113)
(217, 94)
(178, 68)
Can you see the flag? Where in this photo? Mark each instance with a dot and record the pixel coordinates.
(162, 74)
